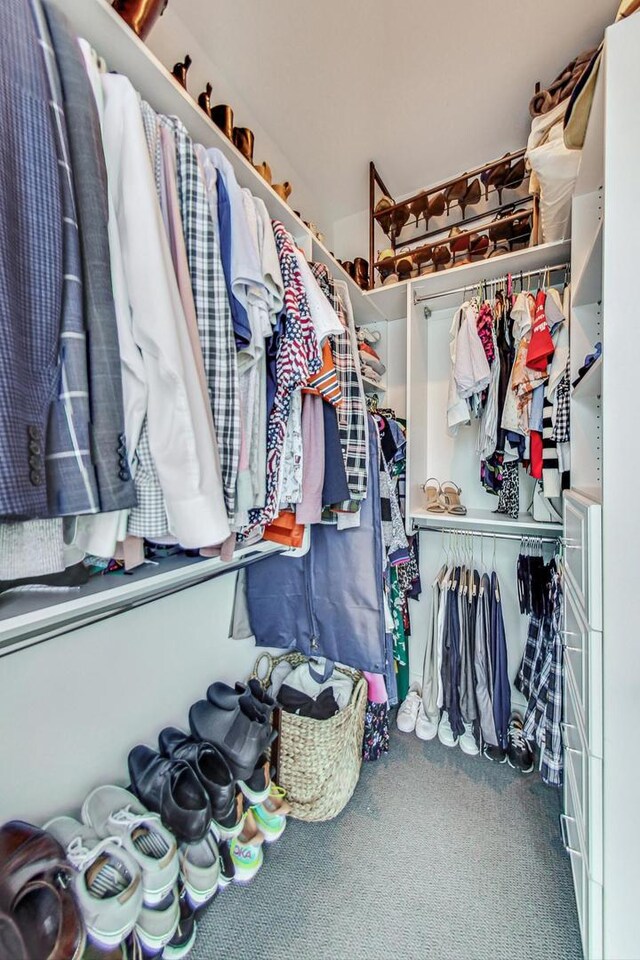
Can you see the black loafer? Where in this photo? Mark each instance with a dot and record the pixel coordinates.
(172, 789)
(241, 734)
(212, 771)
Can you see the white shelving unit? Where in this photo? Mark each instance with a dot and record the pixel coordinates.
(370, 386)
(485, 521)
(591, 384)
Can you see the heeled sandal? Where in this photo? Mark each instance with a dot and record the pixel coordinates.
(472, 196)
(433, 493)
(451, 496)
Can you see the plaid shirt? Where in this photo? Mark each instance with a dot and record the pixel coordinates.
(352, 413)
(212, 308)
(540, 680)
(71, 478)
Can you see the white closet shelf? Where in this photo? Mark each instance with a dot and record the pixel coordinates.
(587, 286)
(591, 383)
(370, 386)
(97, 22)
(486, 521)
(28, 617)
(392, 300)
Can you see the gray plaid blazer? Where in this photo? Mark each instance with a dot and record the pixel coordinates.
(30, 264)
(107, 438)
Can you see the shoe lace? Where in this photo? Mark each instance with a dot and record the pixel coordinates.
(517, 737)
(80, 855)
(126, 817)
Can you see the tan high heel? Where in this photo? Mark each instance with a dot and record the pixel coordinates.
(433, 494)
(451, 496)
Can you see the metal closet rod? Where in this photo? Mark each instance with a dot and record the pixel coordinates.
(517, 275)
(491, 536)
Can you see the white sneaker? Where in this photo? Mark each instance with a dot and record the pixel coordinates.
(446, 736)
(113, 811)
(107, 882)
(157, 925)
(408, 711)
(426, 726)
(200, 868)
(467, 741)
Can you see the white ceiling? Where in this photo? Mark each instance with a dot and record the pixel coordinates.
(424, 88)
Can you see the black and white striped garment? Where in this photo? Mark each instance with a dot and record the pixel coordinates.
(551, 476)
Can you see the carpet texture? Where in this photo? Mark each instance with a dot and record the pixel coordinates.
(438, 855)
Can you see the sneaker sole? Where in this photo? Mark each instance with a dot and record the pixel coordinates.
(448, 743)
(491, 759)
(431, 736)
(227, 833)
(175, 953)
(469, 752)
(521, 769)
(199, 898)
(252, 796)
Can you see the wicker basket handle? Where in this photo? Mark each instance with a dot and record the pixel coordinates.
(263, 673)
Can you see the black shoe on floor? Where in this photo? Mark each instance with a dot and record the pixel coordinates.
(185, 936)
(241, 734)
(226, 697)
(496, 753)
(519, 753)
(172, 789)
(212, 771)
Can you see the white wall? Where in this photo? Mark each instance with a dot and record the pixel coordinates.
(72, 707)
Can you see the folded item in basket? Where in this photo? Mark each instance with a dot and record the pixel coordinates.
(314, 676)
(321, 707)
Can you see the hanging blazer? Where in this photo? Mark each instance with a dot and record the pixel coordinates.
(329, 602)
(30, 264)
(107, 434)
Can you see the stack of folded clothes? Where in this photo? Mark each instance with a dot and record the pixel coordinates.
(371, 365)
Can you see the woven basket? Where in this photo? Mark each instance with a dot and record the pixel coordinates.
(318, 761)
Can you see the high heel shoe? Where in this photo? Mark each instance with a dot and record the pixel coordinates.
(387, 272)
(495, 177)
(455, 191)
(516, 175)
(458, 244)
(361, 272)
(243, 138)
(436, 208)
(399, 218)
(222, 116)
(471, 197)
(264, 170)
(421, 258)
(479, 246)
(404, 267)
(204, 100)
(441, 255)
(180, 71)
(419, 206)
(384, 221)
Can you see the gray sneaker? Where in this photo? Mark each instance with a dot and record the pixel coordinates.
(157, 925)
(113, 811)
(107, 884)
(200, 869)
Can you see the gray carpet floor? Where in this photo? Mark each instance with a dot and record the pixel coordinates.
(438, 855)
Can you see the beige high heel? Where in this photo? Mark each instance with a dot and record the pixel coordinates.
(433, 495)
(451, 495)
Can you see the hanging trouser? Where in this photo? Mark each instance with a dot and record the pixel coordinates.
(483, 664)
(501, 685)
(430, 668)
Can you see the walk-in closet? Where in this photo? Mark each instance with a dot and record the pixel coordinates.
(318, 541)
